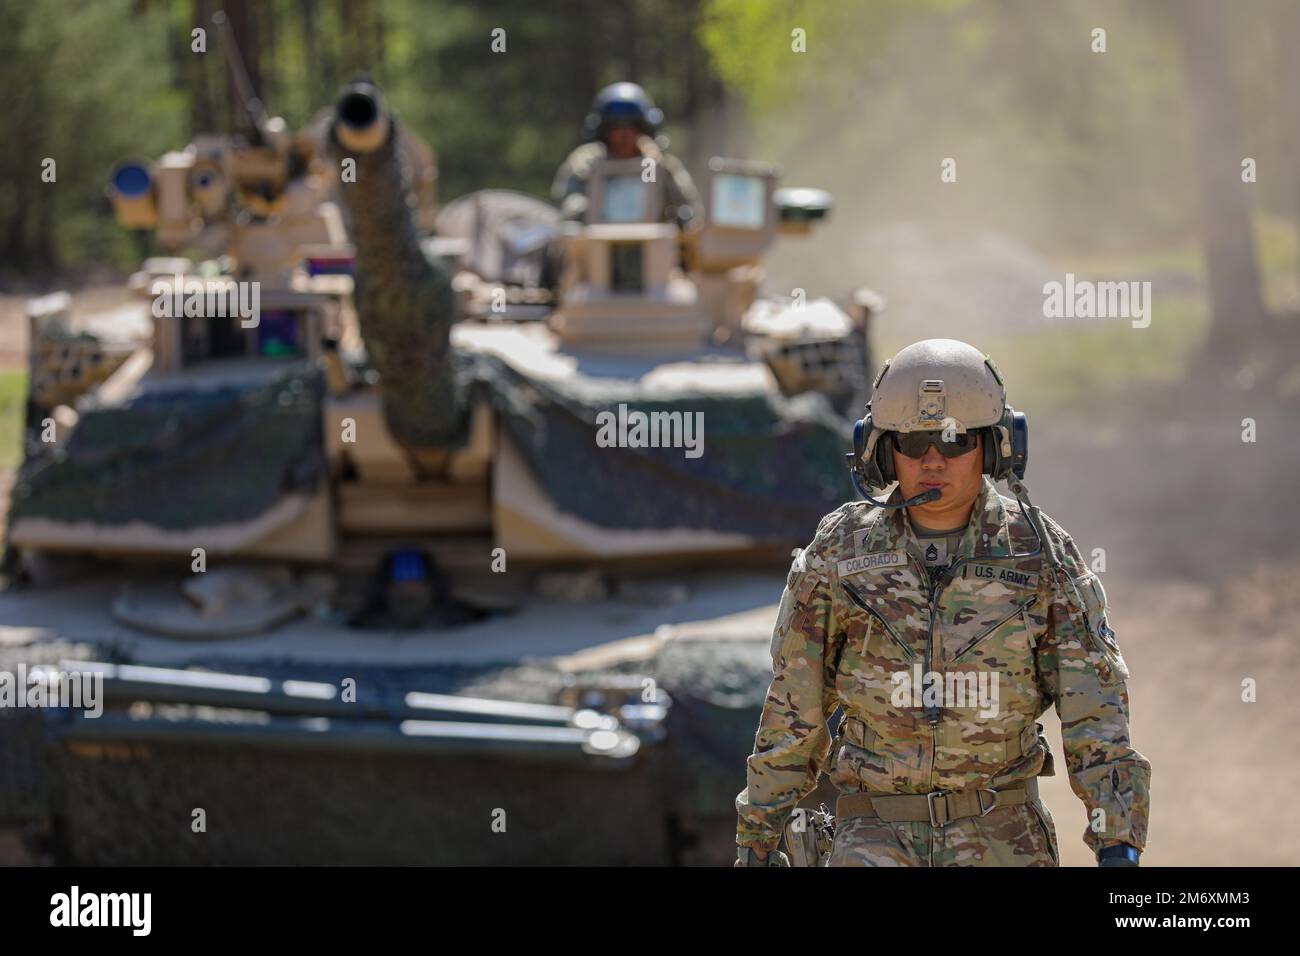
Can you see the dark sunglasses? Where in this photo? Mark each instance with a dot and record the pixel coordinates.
(914, 444)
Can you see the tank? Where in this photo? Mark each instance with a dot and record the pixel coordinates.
(478, 564)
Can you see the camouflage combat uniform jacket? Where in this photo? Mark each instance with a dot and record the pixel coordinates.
(679, 188)
(859, 608)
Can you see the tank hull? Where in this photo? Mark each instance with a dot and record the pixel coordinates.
(173, 774)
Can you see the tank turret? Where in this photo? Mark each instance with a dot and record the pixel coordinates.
(403, 296)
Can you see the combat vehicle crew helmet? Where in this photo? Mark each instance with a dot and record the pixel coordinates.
(941, 392)
(622, 103)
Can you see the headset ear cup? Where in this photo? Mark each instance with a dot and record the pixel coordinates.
(1014, 430)
(1018, 432)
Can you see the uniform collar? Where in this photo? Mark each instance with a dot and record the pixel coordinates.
(986, 535)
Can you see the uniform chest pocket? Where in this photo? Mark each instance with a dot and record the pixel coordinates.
(877, 620)
(966, 644)
(988, 601)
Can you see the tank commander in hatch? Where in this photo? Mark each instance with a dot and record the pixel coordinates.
(622, 124)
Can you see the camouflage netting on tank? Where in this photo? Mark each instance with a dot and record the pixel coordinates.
(182, 459)
(771, 467)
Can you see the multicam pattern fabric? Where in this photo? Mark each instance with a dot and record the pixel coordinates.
(859, 609)
(1008, 836)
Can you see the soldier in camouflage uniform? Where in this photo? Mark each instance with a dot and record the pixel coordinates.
(942, 629)
(622, 125)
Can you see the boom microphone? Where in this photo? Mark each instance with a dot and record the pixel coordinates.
(934, 494)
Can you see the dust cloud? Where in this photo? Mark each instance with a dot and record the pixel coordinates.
(1174, 471)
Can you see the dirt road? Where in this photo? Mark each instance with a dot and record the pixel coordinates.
(1198, 531)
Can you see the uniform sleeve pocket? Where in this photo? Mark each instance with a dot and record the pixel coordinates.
(1101, 637)
(799, 585)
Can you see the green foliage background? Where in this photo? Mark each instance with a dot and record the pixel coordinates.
(1072, 149)
(92, 82)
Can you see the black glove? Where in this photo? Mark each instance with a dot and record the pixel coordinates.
(1122, 854)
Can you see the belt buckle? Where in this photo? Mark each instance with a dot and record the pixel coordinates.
(979, 798)
(929, 799)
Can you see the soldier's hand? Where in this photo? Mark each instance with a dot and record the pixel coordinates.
(747, 857)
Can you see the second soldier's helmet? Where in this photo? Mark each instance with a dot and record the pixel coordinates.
(940, 385)
(622, 103)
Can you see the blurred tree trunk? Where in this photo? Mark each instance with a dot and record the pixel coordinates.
(355, 18)
(39, 199)
(269, 89)
(631, 45)
(15, 234)
(583, 60)
(378, 67)
(319, 67)
(1237, 309)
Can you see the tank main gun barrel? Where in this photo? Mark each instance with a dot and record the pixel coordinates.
(361, 118)
(403, 298)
